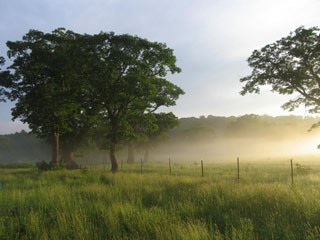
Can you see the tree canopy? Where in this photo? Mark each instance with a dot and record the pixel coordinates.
(46, 82)
(291, 65)
(64, 83)
(129, 83)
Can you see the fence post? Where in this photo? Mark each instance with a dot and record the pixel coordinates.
(202, 168)
(170, 166)
(238, 168)
(291, 171)
(141, 164)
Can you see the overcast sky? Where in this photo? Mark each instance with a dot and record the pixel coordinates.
(211, 39)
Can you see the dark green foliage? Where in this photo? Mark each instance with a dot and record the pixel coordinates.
(47, 166)
(129, 85)
(47, 83)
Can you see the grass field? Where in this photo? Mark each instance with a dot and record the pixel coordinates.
(151, 203)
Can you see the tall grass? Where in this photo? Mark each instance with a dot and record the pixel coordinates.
(95, 204)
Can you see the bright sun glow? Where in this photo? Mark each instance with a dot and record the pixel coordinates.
(309, 146)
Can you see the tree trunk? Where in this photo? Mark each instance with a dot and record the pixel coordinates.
(114, 163)
(55, 149)
(146, 154)
(69, 159)
(130, 153)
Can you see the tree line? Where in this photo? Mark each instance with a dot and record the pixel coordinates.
(68, 87)
(245, 126)
(24, 147)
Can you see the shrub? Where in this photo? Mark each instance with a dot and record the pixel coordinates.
(44, 166)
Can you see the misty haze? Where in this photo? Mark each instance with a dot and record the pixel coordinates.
(211, 138)
(249, 137)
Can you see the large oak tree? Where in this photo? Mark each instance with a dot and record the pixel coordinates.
(291, 65)
(129, 81)
(48, 83)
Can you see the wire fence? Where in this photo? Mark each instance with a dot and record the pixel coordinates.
(284, 170)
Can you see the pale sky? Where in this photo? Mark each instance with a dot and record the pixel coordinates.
(211, 39)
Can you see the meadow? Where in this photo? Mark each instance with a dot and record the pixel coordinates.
(149, 202)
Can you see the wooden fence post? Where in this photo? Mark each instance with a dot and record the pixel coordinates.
(238, 168)
(291, 171)
(141, 164)
(170, 166)
(202, 168)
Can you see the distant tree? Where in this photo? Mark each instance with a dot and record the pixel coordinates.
(129, 80)
(162, 123)
(4, 143)
(198, 132)
(139, 127)
(48, 84)
(22, 147)
(291, 65)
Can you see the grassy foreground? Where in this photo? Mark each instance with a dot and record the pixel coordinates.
(95, 204)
